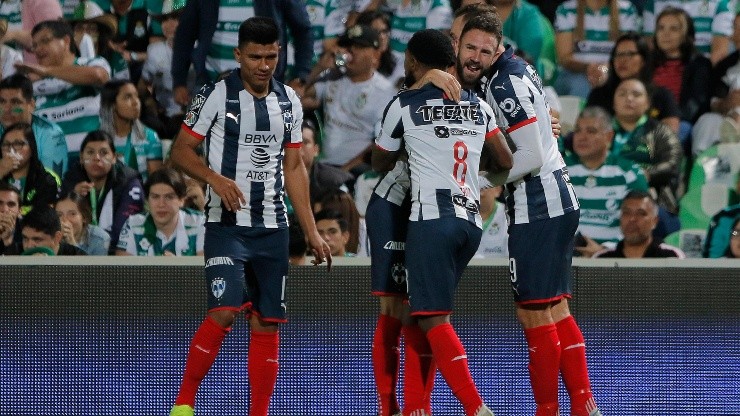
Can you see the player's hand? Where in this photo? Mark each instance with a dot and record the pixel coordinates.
(555, 123)
(320, 249)
(83, 188)
(444, 80)
(232, 197)
(181, 95)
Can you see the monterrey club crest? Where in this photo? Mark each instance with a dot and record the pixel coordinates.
(218, 287)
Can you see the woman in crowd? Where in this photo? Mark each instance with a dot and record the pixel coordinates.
(77, 227)
(678, 66)
(585, 31)
(137, 145)
(649, 143)
(113, 188)
(631, 58)
(167, 229)
(20, 166)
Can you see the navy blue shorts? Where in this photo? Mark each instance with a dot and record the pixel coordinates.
(387, 224)
(247, 268)
(540, 255)
(437, 252)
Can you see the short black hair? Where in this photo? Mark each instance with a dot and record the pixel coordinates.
(18, 81)
(331, 214)
(8, 187)
(432, 48)
(44, 219)
(486, 22)
(59, 29)
(258, 29)
(98, 136)
(167, 176)
(640, 195)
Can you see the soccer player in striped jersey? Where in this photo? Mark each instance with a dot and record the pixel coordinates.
(543, 212)
(251, 124)
(444, 142)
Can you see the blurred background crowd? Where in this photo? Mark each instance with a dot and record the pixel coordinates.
(93, 92)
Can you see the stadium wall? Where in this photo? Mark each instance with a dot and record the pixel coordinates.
(109, 337)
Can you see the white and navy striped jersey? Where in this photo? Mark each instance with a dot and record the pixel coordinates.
(515, 93)
(444, 141)
(395, 185)
(246, 139)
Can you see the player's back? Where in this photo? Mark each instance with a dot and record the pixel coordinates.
(444, 141)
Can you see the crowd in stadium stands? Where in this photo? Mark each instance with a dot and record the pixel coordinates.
(93, 93)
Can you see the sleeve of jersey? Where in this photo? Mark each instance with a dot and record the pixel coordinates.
(528, 157)
(203, 110)
(296, 137)
(391, 128)
(100, 62)
(491, 127)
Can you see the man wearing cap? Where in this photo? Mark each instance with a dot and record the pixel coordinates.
(215, 25)
(93, 31)
(353, 103)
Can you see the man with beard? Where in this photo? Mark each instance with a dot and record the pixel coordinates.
(544, 212)
(445, 222)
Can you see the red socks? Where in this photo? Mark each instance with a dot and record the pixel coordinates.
(449, 355)
(419, 372)
(573, 367)
(203, 351)
(385, 357)
(544, 366)
(262, 367)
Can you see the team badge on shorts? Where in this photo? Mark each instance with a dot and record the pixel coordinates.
(218, 287)
(399, 273)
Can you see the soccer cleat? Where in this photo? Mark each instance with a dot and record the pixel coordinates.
(483, 410)
(182, 410)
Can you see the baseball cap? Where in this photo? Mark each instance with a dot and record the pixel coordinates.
(361, 35)
(170, 8)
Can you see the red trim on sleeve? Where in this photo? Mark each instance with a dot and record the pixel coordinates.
(382, 148)
(190, 131)
(294, 145)
(521, 124)
(492, 133)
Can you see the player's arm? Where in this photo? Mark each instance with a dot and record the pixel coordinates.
(529, 155)
(296, 183)
(184, 157)
(383, 160)
(500, 157)
(387, 146)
